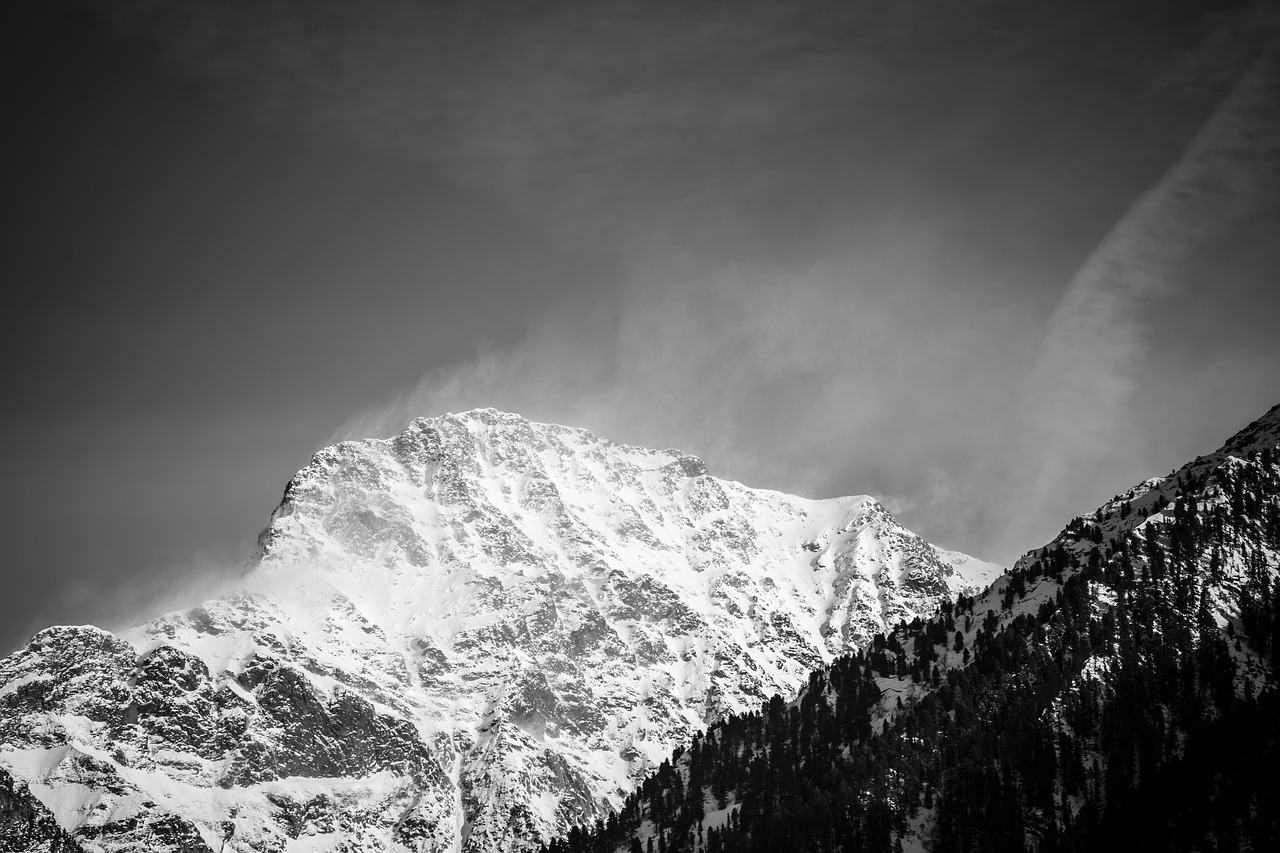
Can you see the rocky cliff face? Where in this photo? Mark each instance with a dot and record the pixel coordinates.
(25, 823)
(471, 636)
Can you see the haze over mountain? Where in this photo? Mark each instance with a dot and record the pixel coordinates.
(830, 248)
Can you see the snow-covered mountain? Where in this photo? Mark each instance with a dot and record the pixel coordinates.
(470, 636)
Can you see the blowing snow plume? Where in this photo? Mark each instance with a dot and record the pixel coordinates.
(838, 228)
(766, 373)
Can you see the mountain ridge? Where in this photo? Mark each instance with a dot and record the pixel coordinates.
(1115, 690)
(471, 635)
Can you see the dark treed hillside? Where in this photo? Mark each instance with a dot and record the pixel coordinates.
(1115, 691)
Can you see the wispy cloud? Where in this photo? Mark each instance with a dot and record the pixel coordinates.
(624, 117)
(842, 376)
(840, 225)
(1079, 408)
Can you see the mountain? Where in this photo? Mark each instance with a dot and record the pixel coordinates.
(471, 636)
(1115, 691)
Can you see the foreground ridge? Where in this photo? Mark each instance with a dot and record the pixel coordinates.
(473, 635)
(1115, 691)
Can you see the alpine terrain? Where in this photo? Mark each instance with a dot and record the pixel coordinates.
(1115, 691)
(472, 636)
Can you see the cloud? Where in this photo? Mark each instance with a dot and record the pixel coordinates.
(1079, 410)
(620, 119)
(818, 380)
(840, 225)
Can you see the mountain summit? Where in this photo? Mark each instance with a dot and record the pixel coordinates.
(471, 636)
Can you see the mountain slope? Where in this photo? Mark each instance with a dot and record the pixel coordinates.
(1116, 690)
(470, 636)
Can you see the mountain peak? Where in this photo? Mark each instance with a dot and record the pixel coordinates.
(498, 434)
(479, 632)
(1263, 432)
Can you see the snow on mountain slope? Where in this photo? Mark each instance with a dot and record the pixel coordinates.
(968, 575)
(470, 636)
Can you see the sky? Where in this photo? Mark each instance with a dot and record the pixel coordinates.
(991, 262)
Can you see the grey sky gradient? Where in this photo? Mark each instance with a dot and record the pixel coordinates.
(990, 261)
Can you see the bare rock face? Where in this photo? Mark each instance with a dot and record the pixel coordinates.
(26, 824)
(468, 637)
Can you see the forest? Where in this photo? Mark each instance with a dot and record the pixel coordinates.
(1133, 707)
